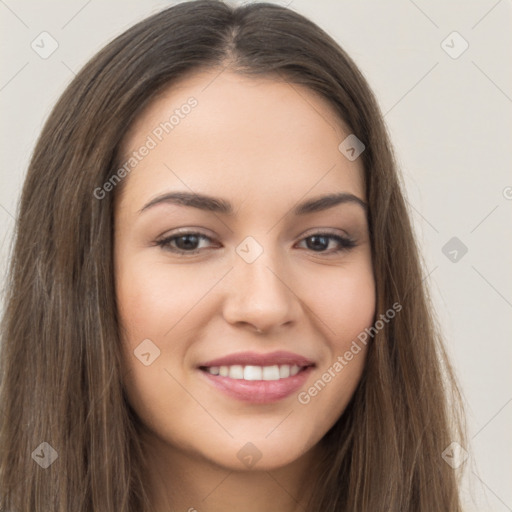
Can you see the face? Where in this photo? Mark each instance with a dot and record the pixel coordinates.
(239, 308)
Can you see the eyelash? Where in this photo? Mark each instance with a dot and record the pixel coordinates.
(345, 243)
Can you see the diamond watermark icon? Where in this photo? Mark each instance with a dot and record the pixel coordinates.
(249, 455)
(454, 249)
(249, 249)
(146, 352)
(45, 455)
(455, 455)
(351, 147)
(454, 45)
(44, 45)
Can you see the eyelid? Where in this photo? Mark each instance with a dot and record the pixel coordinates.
(192, 230)
(325, 231)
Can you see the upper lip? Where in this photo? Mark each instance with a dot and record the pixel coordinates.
(279, 357)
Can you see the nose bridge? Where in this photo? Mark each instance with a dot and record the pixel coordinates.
(259, 292)
(256, 267)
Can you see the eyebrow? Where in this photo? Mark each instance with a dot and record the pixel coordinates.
(219, 205)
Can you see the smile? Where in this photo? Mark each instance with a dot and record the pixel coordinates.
(258, 378)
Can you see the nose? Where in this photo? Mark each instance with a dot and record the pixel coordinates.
(260, 295)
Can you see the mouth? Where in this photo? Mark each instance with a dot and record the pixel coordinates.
(258, 378)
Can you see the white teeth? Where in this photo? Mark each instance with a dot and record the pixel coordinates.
(284, 371)
(271, 372)
(251, 372)
(236, 372)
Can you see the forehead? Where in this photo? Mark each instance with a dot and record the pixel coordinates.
(245, 133)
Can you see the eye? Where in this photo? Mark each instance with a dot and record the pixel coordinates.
(183, 243)
(320, 241)
(189, 242)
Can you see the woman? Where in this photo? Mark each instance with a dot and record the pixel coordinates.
(216, 299)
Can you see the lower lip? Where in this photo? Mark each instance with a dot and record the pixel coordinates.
(259, 391)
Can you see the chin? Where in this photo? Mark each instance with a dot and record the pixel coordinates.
(258, 455)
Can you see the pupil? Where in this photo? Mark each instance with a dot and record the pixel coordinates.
(187, 245)
(322, 245)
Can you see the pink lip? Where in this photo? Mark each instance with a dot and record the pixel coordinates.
(259, 391)
(252, 358)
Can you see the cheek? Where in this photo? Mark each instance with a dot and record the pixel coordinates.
(345, 302)
(150, 304)
(156, 303)
(152, 299)
(346, 307)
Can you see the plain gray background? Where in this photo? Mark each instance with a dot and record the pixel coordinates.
(449, 113)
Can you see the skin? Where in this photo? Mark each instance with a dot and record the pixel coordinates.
(264, 146)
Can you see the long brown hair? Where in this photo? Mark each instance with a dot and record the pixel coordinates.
(60, 353)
